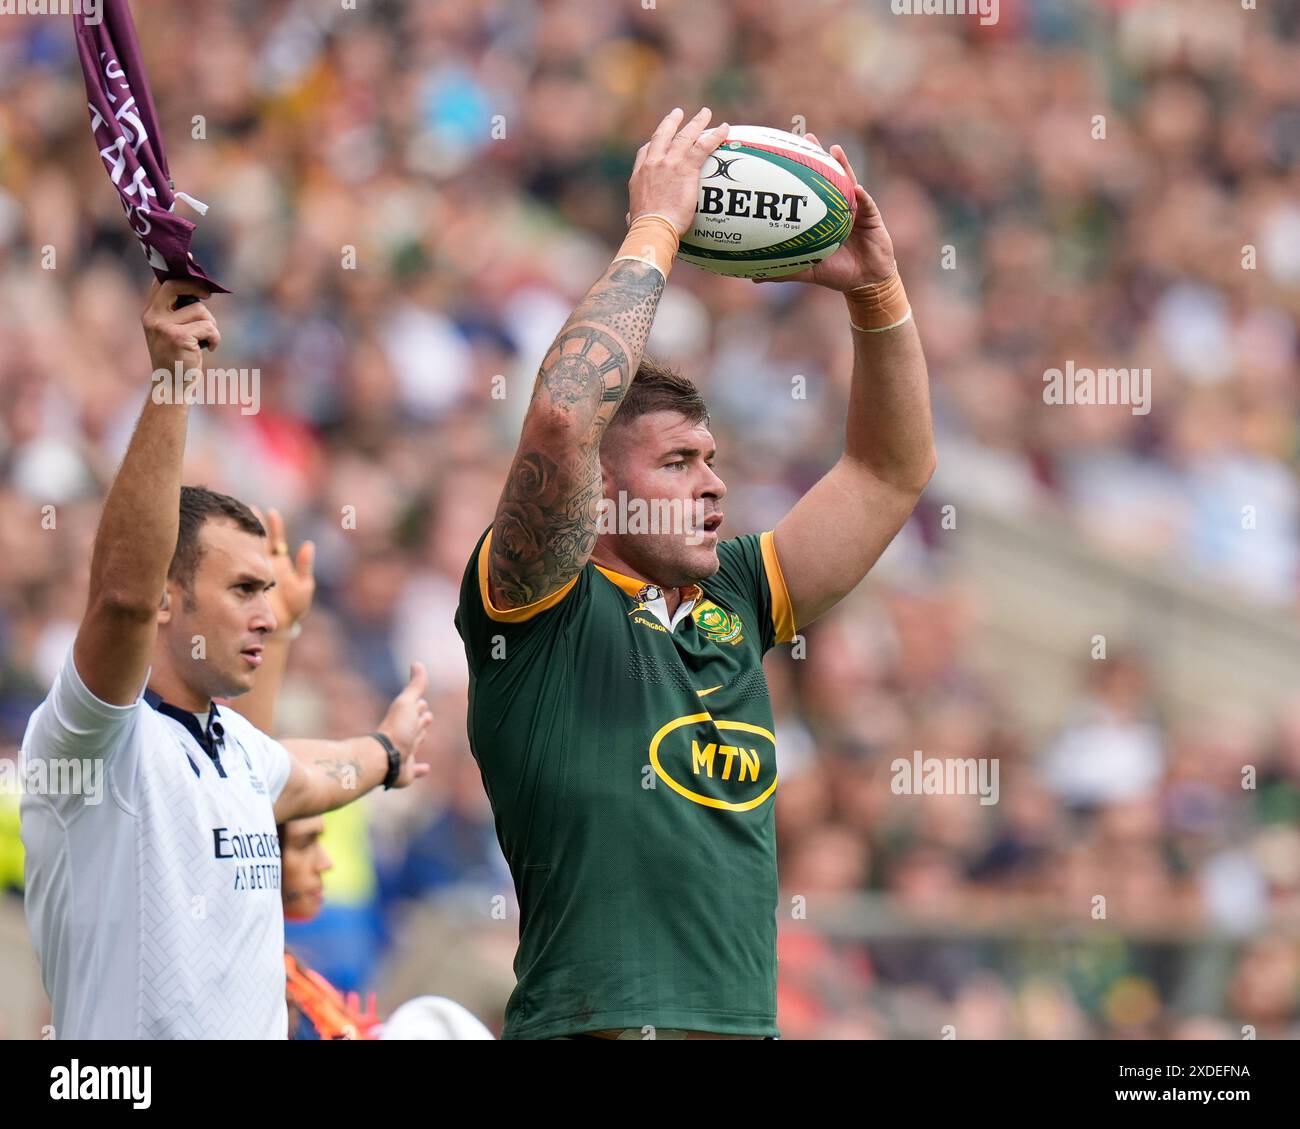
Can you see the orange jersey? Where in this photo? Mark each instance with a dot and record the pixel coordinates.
(333, 1014)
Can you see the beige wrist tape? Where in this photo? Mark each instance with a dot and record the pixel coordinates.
(879, 306)
(652, 239)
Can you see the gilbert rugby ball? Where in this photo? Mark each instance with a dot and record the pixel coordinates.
(771, 203)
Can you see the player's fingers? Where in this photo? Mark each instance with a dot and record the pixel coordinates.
(838, 153)
(640, 156)
(306, 562)
(691, 131)
(663, 134)
(708, 141)
(274, 527)
(813, 138)
(867, 209)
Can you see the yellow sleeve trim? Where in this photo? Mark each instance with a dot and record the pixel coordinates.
(782, 609)
(514, 615)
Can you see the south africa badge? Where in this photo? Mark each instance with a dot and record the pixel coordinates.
(719, 625)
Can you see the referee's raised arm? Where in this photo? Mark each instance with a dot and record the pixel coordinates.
(139, 525)
(545, 524)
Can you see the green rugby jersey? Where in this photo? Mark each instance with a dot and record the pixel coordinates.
(632, 773)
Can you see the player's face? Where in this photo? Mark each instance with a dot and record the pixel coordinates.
(231, 612)
(302, 861)
(663, 464)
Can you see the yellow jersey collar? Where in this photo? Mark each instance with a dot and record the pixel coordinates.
(637, 588)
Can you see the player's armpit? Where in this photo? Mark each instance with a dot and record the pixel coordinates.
(74, 722)
(545, 525)
(784, 624)
(523, 612)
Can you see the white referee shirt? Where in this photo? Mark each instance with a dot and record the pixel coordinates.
(156, 911)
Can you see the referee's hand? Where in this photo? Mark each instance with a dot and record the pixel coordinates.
(406, 723)
(174, 335)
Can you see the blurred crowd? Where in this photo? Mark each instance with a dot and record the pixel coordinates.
(406, 201)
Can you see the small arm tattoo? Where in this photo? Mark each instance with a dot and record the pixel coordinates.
(346, 772)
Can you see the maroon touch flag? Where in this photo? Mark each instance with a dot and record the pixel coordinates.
(125, 127)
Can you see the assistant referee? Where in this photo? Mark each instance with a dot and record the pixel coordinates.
(155, 908)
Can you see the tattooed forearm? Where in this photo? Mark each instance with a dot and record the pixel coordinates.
(346, 772)
(625, 301)
(593, 359)
(585, 368)
(545, 526)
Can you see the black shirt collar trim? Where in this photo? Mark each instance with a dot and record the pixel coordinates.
(209, 739)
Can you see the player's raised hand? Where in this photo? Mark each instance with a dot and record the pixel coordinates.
(406, 723)
(666, 175)
(175, 334)
(866, 256)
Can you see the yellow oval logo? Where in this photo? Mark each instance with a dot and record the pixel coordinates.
(728, 769)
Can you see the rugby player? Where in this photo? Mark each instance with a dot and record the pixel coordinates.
(156, 913)
(618, 710)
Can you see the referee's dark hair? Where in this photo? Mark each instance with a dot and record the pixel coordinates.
(198, 504)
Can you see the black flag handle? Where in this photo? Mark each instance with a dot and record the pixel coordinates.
(189, 300)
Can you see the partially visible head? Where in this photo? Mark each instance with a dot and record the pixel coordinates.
(658, 454)
(215, 608)
(302, 862)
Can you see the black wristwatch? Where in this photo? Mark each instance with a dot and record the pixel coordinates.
(394, 759)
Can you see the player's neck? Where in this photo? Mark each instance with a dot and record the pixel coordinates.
(168, 685)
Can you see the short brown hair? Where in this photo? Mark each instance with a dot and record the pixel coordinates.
(198, 504)
(658, 388)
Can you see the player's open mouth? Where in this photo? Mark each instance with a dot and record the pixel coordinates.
(253, 655)
(712, 522)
